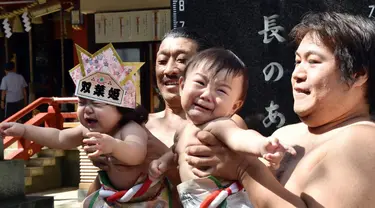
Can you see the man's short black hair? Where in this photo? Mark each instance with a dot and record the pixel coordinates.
(203, 40)
(9, 66)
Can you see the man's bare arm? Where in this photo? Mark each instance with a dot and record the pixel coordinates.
(266, 191)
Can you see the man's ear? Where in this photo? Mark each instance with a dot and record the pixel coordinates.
(360, 78)
(181, 83)
(237, 105)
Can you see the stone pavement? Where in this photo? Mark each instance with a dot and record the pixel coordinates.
(63, 198)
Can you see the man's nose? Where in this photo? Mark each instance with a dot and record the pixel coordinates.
(171, 68)
(299, 73)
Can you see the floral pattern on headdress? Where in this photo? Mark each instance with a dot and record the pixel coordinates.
(106, 61)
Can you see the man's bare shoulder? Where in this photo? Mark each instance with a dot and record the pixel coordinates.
(156, 115)
(355, 136)
(154, 119)
(290, 127)
(290, 132)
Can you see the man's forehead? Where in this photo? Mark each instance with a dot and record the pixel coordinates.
(177, 46)
(313, 41)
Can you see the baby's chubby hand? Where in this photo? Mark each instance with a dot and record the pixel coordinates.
(274, 151)
(157, 169)
(12, 129)
(98, 144)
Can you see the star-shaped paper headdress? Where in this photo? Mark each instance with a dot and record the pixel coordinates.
(102, 76)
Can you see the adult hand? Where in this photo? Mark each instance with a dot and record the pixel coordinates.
(101, 162)
(212, 158)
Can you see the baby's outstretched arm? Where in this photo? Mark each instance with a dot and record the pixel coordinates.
(131, 149)
(50, 137)
(244, 141)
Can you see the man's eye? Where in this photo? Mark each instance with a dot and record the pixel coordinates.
(182, 61)
(162, 62)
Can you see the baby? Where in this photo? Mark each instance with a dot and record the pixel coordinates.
(212, 89)
(110, 125)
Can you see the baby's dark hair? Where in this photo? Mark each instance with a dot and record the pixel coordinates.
(138, 115)
(217, 60)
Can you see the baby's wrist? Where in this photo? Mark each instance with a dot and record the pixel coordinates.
(24, 127)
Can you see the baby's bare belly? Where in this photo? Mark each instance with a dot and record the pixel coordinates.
(185, 169)
(123, 177)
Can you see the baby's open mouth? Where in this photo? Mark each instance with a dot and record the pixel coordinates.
(91, 121)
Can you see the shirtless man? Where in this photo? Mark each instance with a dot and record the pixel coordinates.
(176, 48)
(332, 82)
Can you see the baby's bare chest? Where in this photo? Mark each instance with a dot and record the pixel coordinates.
(187, 137)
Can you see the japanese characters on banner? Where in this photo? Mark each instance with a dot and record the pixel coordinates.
(132, 26)
(274, 71)
(100, 85)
